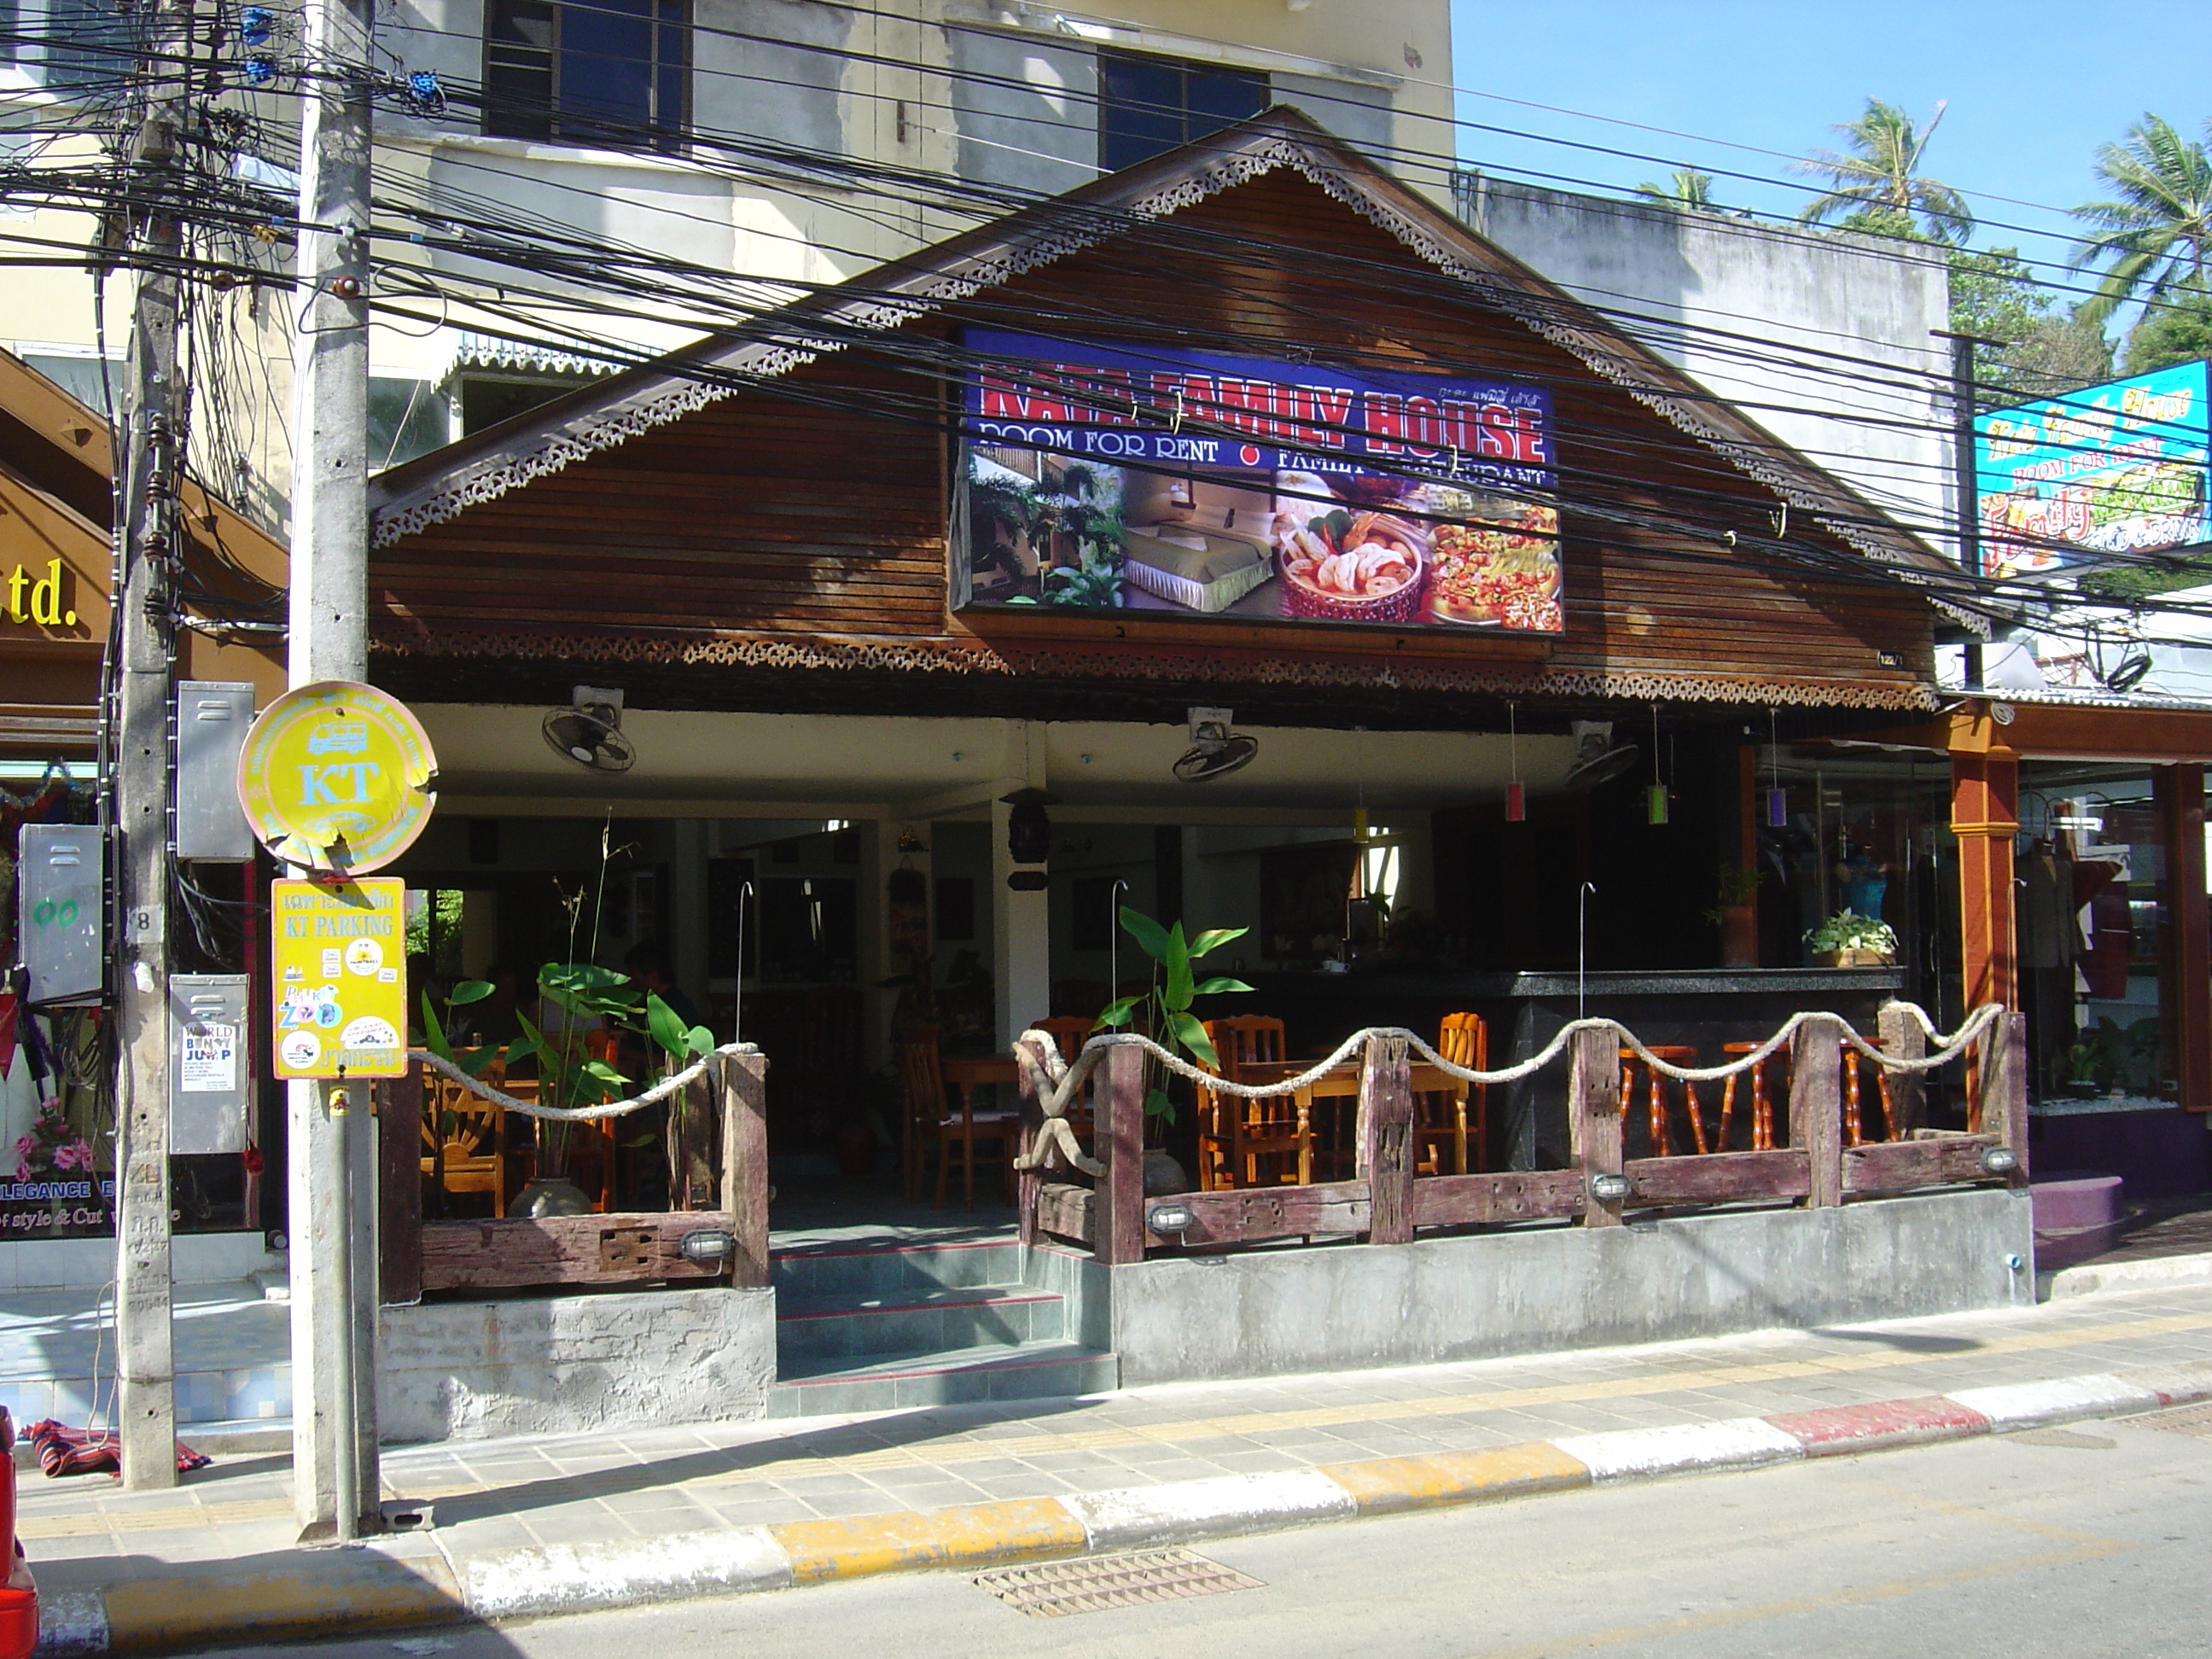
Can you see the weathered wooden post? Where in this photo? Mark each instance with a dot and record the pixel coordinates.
(745, 1165)
(1117, 1222)
(1903, 1037)
(2004, 1091)
(1816, 1108)
(1027, 1181)
(1385, 1139)
(1594, 1107)
(399, 1188)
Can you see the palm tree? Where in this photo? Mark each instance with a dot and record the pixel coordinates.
(1878, 186)
(2159, 233)
(1685, 187)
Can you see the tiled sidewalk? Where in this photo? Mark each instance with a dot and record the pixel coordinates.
(233, 1354)
(497, 1495)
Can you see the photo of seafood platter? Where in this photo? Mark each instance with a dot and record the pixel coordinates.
(1099, 481)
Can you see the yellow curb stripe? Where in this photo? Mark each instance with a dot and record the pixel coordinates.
(1027, 1529)
(149, 1614)
(1383, 1485)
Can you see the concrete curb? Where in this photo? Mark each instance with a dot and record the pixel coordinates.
(2153, 1274)
(409, 1583)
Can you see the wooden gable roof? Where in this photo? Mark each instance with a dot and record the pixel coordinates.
(777, 502)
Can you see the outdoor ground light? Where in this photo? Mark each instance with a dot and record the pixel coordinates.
(708, 1244)
(1165, 1219)
(1611, 1188)
(2000, 1160)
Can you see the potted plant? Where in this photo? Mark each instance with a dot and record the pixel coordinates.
(1735, 887)
(1163, 1013)
(1848, 940)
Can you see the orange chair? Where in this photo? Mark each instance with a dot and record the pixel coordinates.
(1762, 1103)
(1235, 1132)
(465, 1136)
(930, 1119)
(1661, 1137)
(1464, 1040)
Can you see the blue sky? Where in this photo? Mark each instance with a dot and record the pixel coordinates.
(2034, 87)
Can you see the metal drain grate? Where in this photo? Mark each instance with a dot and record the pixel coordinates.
(1058, 1588)
(2177, 1419)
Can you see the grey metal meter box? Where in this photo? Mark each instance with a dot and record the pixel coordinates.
(210, 1079)
(213, 717)
(58, 907)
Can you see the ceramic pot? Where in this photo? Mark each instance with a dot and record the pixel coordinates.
(1163, 1175)
(1739, 936)
(544, 1195)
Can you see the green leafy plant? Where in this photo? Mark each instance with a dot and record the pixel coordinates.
(2111, 1056)
(1163, 1012)
(1847, 930)
(1734, 885)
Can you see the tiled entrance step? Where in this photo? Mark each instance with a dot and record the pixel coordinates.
(861, 1330)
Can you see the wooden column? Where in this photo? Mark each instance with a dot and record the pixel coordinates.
(2004, 1089)
(1594, 1107)
(1816, 1109)
(745, 1165)
(1385, 1139)
(1984, 817)
(399, 1188)
(2185, 940)
(1117, 1221)
(1908, 1090)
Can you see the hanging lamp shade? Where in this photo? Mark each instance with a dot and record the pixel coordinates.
(1517, 802)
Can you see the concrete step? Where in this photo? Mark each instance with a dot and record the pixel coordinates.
(893, 1270)
(1035, 1370)
(913, 1322)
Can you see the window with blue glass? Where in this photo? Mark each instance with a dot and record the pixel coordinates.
(1150, 104)
(608, 74)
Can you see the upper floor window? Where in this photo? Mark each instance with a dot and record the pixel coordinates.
(609, 74)
(1149, 105)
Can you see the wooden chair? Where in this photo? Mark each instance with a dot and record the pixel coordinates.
(930, 1118)
(1661, 1137)
(1234, 1132)
(1463, 1120)
(465, 1136)
(1762, 1101)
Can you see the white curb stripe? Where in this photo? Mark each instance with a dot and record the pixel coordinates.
(2177, 1385)
(71, 1621)
(2023, 1405)
(578, 1577)
(1737, 1443)
(1134, 1518)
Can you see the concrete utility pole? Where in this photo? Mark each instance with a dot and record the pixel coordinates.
(149, 445)
(335, 1484)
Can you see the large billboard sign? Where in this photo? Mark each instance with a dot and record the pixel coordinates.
(1194, 483)
(2113, 469)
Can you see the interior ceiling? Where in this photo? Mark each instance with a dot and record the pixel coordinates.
(493, 757)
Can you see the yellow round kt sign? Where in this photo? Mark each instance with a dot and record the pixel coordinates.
(336, 776)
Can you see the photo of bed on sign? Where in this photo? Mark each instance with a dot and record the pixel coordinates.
(1189, 483)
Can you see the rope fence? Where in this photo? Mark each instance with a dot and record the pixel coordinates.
(660, 1092)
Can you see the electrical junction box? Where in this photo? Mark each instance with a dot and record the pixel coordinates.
(210, 1084)
(213, 717)
(59, 907)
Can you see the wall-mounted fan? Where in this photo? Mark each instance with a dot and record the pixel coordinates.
(590, 732)
(1214, 749)
(1598, 759)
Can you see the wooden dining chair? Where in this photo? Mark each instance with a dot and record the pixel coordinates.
(464, 1135)
(932, 1119)
(1235, 1132)
(1464, 1040)
(1763, 1091)
(1656, 1105)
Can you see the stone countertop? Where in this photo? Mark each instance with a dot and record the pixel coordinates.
(1666, 982)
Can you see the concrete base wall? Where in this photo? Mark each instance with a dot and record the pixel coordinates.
(1272, 1313)
(564, 1364)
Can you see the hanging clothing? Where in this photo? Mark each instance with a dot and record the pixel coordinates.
(2049, 934)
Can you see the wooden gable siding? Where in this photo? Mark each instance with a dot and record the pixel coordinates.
(772, 513)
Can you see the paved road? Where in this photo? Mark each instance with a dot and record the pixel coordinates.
(2086, 1540)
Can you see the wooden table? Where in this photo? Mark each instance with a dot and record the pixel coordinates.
(1336, 1085)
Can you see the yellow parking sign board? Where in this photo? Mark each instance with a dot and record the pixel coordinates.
(336, 776)
(340, 977)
